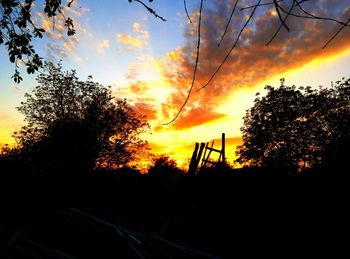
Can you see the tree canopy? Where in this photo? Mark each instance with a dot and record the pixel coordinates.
(74, 122)
(293, 127)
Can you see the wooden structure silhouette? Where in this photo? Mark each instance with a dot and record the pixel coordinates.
(198, 151)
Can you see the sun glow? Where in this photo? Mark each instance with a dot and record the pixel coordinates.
(180, 143)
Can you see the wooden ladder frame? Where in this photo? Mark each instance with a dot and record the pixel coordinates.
(198, 151)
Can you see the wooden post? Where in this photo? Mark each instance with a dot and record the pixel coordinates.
(223, 147)
(205, 152)
(199, 156)
(196, 158)
(191, 168)
(206, 159)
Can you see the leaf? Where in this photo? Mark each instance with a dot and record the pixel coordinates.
(16, 77)
(12, 58)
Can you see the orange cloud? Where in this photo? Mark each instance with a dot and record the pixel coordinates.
(139, 87)
(195, 117)
(248, 65)
(146, 109)
(139, 38)
(250, 62)
(69, 46)
(128, 40)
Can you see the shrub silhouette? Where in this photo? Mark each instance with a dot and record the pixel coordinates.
(164, 166)
(216, 169)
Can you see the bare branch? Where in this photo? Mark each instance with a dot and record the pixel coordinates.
(228, 23)
(310, 15)
(185, 6)
(280, 27)
(234, 45)
(150, 10)
(195, 67)
(253, 6)
(336, 34)
(277, 7)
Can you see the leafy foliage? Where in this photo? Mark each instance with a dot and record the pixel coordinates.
(292, 127)
(17, 31)
(78, 123)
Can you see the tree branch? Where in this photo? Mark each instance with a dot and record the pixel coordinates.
(280, 27)
(277, 7)
(228, 23)
(310, 15)
(195, 67)
(150, 10)
(232, 48)
(336, 34)
(253, 6)
(185, 6)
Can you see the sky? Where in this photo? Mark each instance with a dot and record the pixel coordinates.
(150, 63)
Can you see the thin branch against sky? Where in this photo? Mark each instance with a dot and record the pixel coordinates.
(195, 66)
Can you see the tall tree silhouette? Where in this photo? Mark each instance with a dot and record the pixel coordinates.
(294, 127)
(77, 124)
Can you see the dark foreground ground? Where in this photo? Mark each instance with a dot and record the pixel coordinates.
(174, 216)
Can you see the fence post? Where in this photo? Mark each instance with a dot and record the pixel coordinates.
(223, 147)
(191, 168)
(199, 156)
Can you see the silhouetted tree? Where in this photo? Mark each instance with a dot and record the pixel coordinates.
(77, 124)
(292, 127)
(336, 157)
(164, 166)
(9, 158)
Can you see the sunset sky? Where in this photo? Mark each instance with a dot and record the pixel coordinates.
(150, 63)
